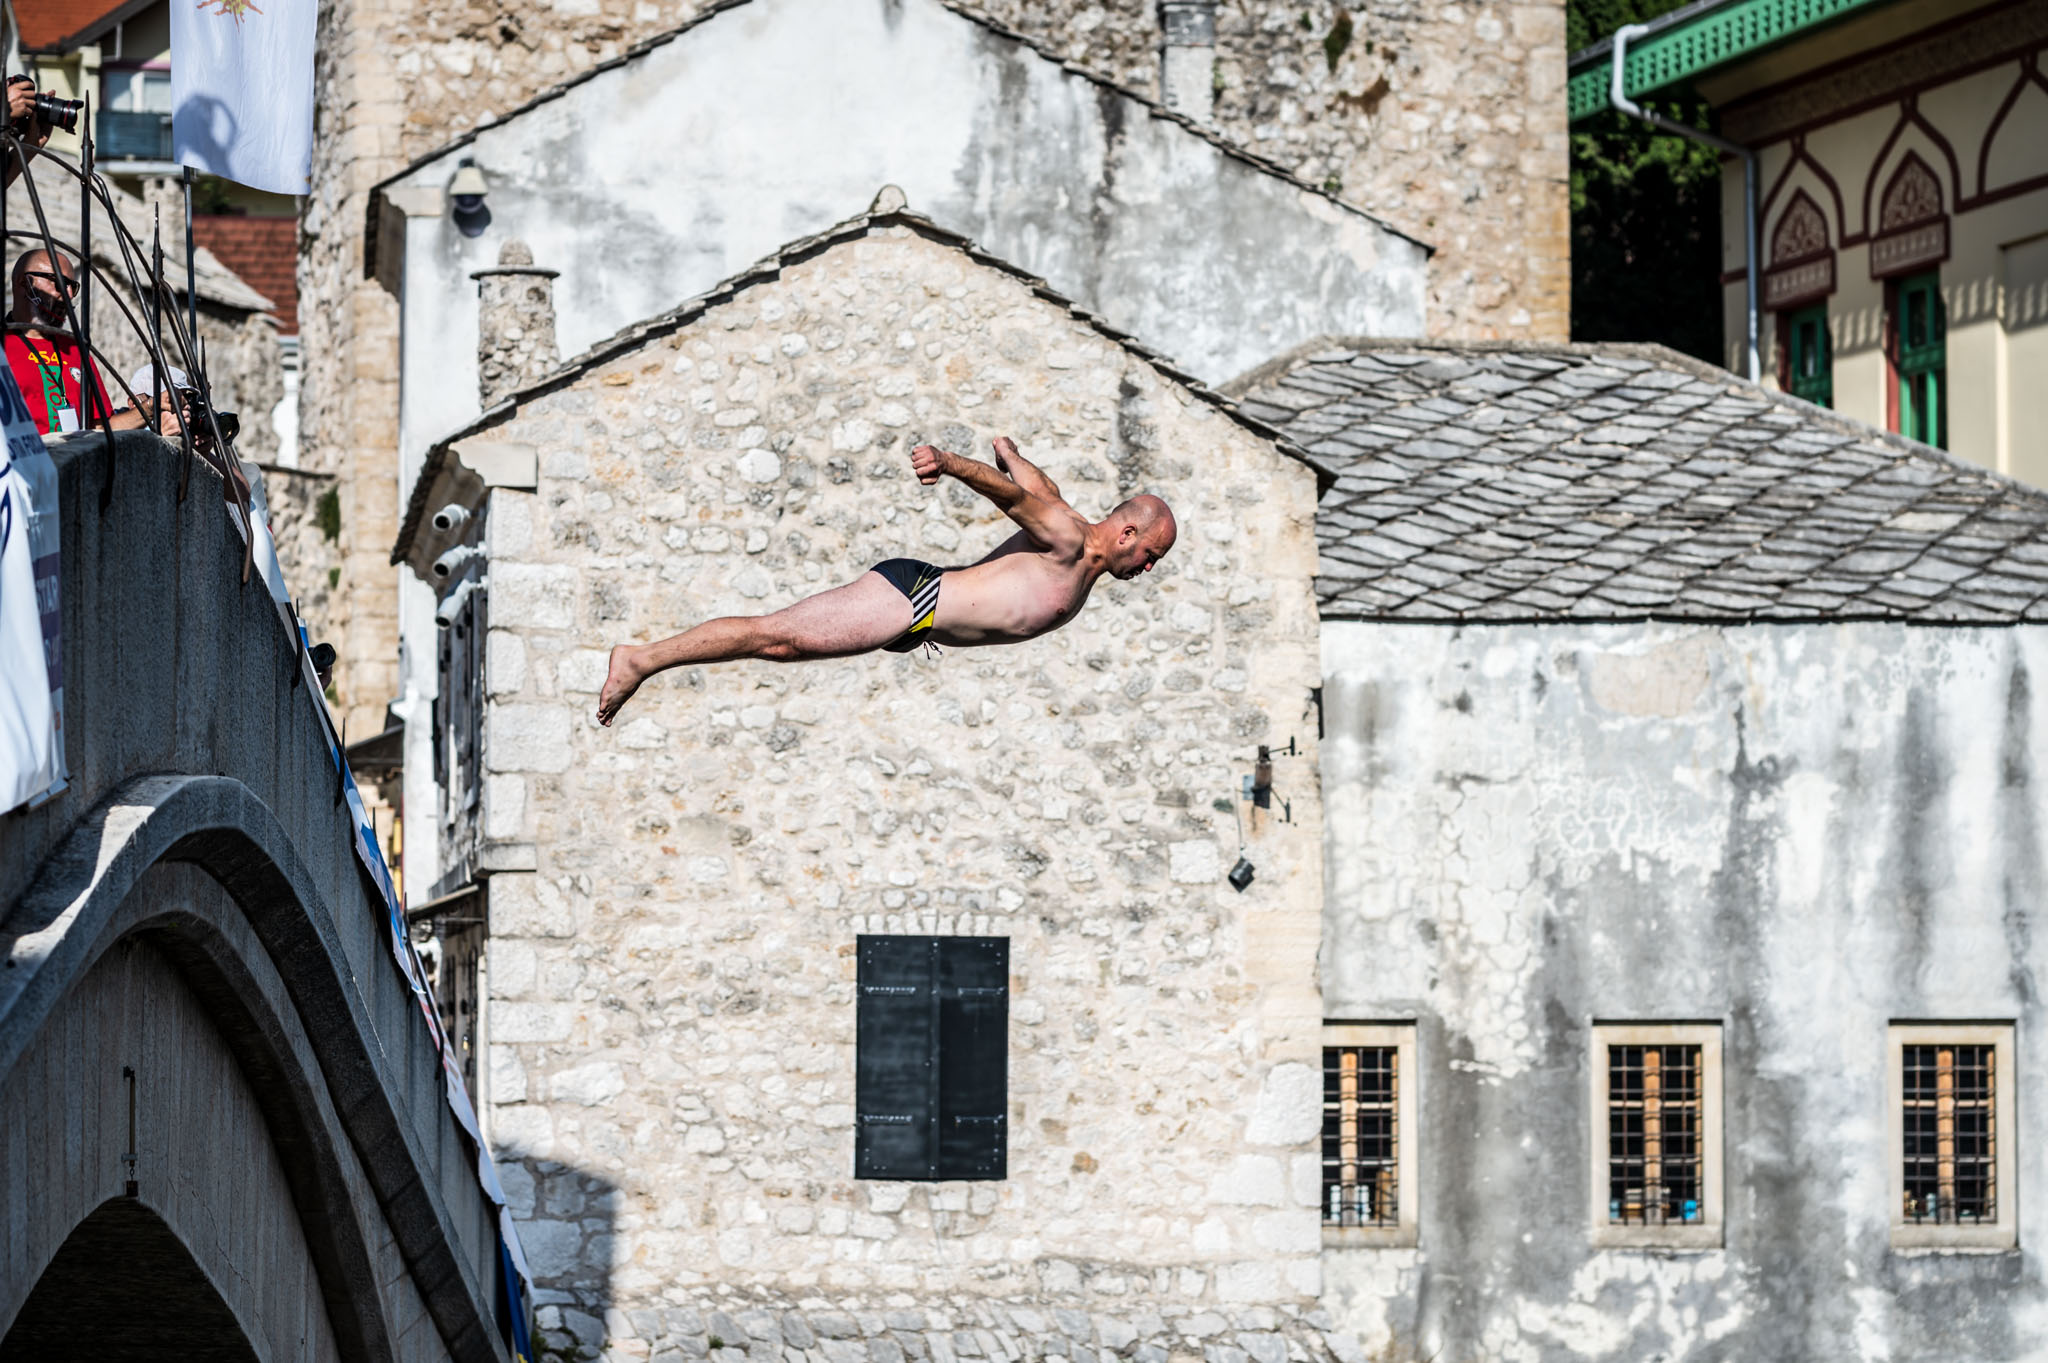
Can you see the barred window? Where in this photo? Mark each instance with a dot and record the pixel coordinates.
(1361, 1119)
(1952, 1170)
(1656, 1117)
(1368, 1140)
(1950, 1136)
(1653, 1136)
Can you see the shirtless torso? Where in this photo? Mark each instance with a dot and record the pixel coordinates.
(1033, 582)
(1040, 577)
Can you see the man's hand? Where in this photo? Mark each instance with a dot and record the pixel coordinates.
(1022, 471)
(143, 413)
(1046, 518)
(928, 464)
(21, 107)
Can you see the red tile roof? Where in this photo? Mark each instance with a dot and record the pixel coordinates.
(46, 23)
(264, 251)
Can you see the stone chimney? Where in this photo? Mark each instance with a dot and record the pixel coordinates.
(1187, 57)
(515, 323)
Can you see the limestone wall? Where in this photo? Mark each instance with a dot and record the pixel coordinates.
(671, 1014)
(1800, 833)
(1447, 120)
(348, 336)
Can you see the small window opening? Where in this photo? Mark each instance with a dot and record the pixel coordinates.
(1951, 1137)
(1653, 1136)
(1361, 1136)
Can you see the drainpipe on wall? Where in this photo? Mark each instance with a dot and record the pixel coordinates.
(1622, 37)
(1187, 57)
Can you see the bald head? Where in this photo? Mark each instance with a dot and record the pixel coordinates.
(1145, 530)
(39, 289)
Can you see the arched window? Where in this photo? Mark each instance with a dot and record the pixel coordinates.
(1912, 224)
(1906, 252)
(1796, 288)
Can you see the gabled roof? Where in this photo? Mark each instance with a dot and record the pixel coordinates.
(60, 25)
(636, 337)
(1505, 482)
(711, 12)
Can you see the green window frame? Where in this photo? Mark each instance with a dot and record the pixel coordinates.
(1920, 358)
(1810, 355)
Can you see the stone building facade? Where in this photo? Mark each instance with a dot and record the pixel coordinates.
(1902, 191)
(674, 902)
(1661, 710)
(1445, 120)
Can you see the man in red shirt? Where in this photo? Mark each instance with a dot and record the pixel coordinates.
(44, 356)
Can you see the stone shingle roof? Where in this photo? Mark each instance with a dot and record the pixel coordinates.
(1512, 482)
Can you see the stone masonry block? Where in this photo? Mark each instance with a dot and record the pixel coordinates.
(527, 738)
(1290, 1107)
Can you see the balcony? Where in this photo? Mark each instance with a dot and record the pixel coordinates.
(133, 137)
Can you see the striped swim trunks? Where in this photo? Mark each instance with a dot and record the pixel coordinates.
(918, 581)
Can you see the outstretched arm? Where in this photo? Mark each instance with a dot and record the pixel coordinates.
(1048, 520)
(1022, 471)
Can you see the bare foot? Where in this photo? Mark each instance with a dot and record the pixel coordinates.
(620, 682)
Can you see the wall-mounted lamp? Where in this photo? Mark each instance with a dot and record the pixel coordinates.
(466, 198)
(451, 517)
(1258, 786)
(452, 562)
(450, 610)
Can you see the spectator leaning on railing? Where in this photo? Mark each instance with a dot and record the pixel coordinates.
(44, 357)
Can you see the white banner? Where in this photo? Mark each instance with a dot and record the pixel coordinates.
(31, 621)
(242, 90)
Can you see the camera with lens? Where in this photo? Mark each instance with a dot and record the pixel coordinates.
(194, 403)
(48, 109)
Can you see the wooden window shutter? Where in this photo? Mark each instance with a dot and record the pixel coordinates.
(974, 1056)
(931, 1083)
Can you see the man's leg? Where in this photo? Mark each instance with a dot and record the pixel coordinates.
(857, 618)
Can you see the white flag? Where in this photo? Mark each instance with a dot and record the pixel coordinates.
(242, 90)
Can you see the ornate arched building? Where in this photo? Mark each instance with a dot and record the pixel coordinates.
(1902, 153)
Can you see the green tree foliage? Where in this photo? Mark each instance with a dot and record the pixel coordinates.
(1646, 228)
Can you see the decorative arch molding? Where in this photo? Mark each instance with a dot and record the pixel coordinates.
(1802, 263)
(1802, 157)
(267, 950)
(1883, 167)
(1912, 221)
(2029, 75)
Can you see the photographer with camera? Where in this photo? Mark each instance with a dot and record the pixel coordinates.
(44, 356)
(32, 116)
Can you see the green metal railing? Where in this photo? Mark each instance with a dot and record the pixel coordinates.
(1699, 44)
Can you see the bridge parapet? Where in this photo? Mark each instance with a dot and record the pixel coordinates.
(204, 827)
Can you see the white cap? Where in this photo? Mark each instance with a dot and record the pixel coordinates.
(173, 377)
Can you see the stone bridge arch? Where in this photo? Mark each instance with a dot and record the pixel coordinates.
(190, 940)
(163, 1304)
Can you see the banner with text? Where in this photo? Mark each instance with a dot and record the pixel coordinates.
(31, 621)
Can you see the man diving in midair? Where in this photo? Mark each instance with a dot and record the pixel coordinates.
(1032, 583)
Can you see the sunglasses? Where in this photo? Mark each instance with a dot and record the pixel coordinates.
(66, 282)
